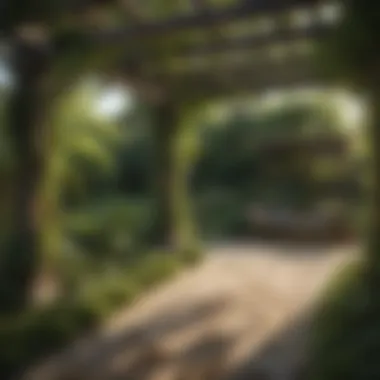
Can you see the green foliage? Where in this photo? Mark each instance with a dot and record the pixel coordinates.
(82, 150)
(26, 338)
(221, 212)
(226, 181)
(83, 139)
(155, 268)
(352, 52)
(39, 332)
(110, 229)
(347, 331)
(192, 255)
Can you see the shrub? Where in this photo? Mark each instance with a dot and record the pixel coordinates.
(346, 339)
(191, 256)
(26, 338)
(155, 268)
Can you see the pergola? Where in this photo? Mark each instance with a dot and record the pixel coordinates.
(194, 51)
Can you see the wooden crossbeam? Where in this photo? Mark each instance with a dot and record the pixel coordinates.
(241, 79)
(280, 35)
(132, 10)
(248, 78)
(251, 84)
(199, 5)
(184, 22)
(262, 85)
(183, 55)
(211, 69)
(203, 6)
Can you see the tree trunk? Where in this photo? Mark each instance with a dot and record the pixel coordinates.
(27, 129)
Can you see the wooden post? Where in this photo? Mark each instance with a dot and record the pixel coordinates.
(27, 131)
(164, 132)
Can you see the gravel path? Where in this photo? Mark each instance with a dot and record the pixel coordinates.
(243, 314)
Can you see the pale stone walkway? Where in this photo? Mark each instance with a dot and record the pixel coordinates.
(243, 314)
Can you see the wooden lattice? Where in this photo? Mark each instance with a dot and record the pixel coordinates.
(246, 46)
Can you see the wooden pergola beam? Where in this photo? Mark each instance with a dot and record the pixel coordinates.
(248, 82)
(221, 45)
(260, 86)
(246, 79)
(180, 23)
(132, 11)
(281, 35)
(199, 5)
(292, 62)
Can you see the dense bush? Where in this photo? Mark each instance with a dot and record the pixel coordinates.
(26, 338)
(111, 229)
(221, 213)
(346, 337)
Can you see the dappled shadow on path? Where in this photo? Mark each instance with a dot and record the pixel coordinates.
(283, 356)
(243, 317)
(131, 353)
(140, 354)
